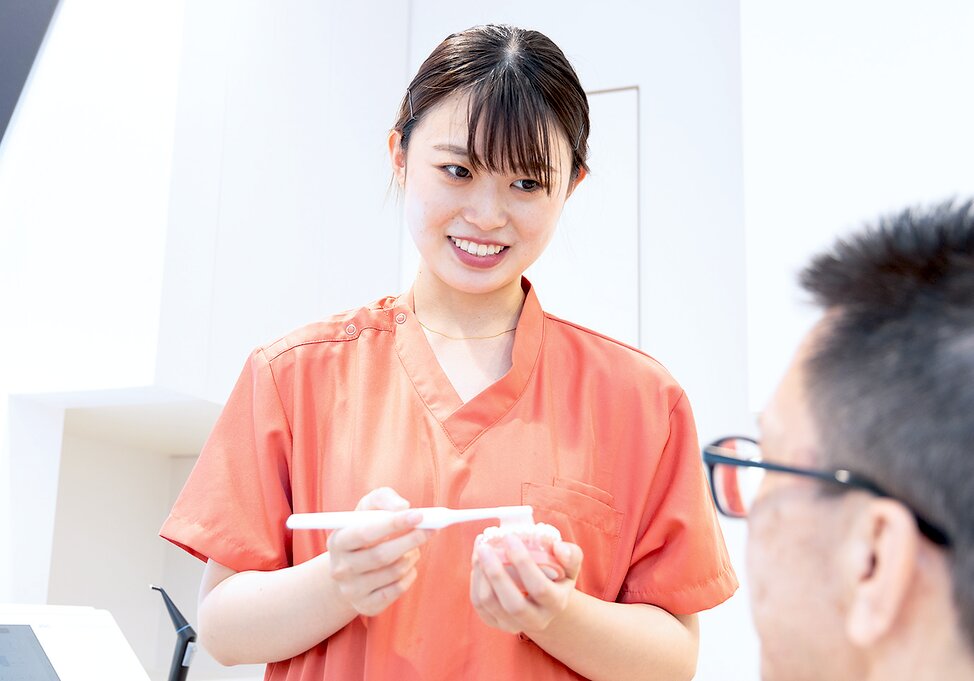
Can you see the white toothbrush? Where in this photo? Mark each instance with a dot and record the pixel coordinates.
(434, 517)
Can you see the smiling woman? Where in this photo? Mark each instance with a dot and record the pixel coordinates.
(477, 230)
(461, 392)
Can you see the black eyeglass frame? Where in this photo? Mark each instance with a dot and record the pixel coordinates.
(839, 476)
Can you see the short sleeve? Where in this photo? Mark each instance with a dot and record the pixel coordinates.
(234, 506)
(680, 562)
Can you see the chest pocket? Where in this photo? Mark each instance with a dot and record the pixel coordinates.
(583, 517)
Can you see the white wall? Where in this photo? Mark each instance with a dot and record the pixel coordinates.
(103, 556)
(851, 109)
(84, 193)
(278, 213)
(35, 434)
(120, 471)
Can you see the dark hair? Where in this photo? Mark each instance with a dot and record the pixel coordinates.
(891, 379)
(519, 83)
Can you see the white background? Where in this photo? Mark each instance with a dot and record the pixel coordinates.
(851, 109)
(183, 181)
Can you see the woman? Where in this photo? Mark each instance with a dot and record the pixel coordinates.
(461, 393)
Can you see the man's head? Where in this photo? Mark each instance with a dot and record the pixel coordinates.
(842, 579)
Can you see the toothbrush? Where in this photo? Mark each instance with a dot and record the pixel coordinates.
(434, 518)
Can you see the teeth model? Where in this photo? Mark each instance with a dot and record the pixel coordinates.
(477, 249)
(538, 539)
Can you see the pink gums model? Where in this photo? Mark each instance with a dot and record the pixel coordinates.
(539, 539)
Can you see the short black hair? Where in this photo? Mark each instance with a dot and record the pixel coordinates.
(891, 378)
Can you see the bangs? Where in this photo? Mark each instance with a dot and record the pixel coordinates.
(511, 129)
(523, 102)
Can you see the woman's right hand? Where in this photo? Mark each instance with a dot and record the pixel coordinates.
(373, 565)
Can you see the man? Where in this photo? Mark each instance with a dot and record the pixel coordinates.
(860, 498)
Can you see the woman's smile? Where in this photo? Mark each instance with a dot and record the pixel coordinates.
(482, 213)
(476, 254)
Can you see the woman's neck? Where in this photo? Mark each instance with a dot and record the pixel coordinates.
(444, 310)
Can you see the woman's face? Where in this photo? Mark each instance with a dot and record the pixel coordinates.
(476, 231)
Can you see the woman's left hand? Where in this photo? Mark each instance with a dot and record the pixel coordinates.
(501, 603)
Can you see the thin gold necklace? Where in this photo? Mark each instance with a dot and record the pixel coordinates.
(446, 335)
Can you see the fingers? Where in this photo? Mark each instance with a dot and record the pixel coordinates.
(380, 599)
(367, 535)
(535, 582)
(530, 605)
(373, 592)
(375, 563)
(570, 556)
(349, 557)
(507, 593)
(382, 499)
(371, 579)
(482, 596)
(375, 580)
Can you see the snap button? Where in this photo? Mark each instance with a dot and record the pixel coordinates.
(401, 318)
(350, 329)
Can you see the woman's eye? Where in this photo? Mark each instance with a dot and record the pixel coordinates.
(528, 185)
(457, 171)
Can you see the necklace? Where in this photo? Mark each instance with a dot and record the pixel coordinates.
(446, 335)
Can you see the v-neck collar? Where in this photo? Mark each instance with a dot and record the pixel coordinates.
(463, 421)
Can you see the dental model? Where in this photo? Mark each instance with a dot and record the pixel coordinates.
(539, 539)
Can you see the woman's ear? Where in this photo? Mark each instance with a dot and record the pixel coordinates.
(397, 156)
(882, 553)
(579, 176)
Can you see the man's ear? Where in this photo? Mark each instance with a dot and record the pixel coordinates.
(397, 156)
(881, 556)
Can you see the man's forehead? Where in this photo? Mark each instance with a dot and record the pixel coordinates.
(789, 432)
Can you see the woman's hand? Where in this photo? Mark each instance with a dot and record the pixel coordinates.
(502, 604)
(373, 565)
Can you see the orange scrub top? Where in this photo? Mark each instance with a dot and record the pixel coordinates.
(593, 434)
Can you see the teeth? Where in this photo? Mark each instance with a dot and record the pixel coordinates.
(477, 249)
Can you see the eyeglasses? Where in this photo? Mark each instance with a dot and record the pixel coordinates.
(736, 471)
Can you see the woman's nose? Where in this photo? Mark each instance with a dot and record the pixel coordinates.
(486, 209)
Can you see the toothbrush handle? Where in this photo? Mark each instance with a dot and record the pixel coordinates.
(333, 520)
(433, 518)
(460, 515)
